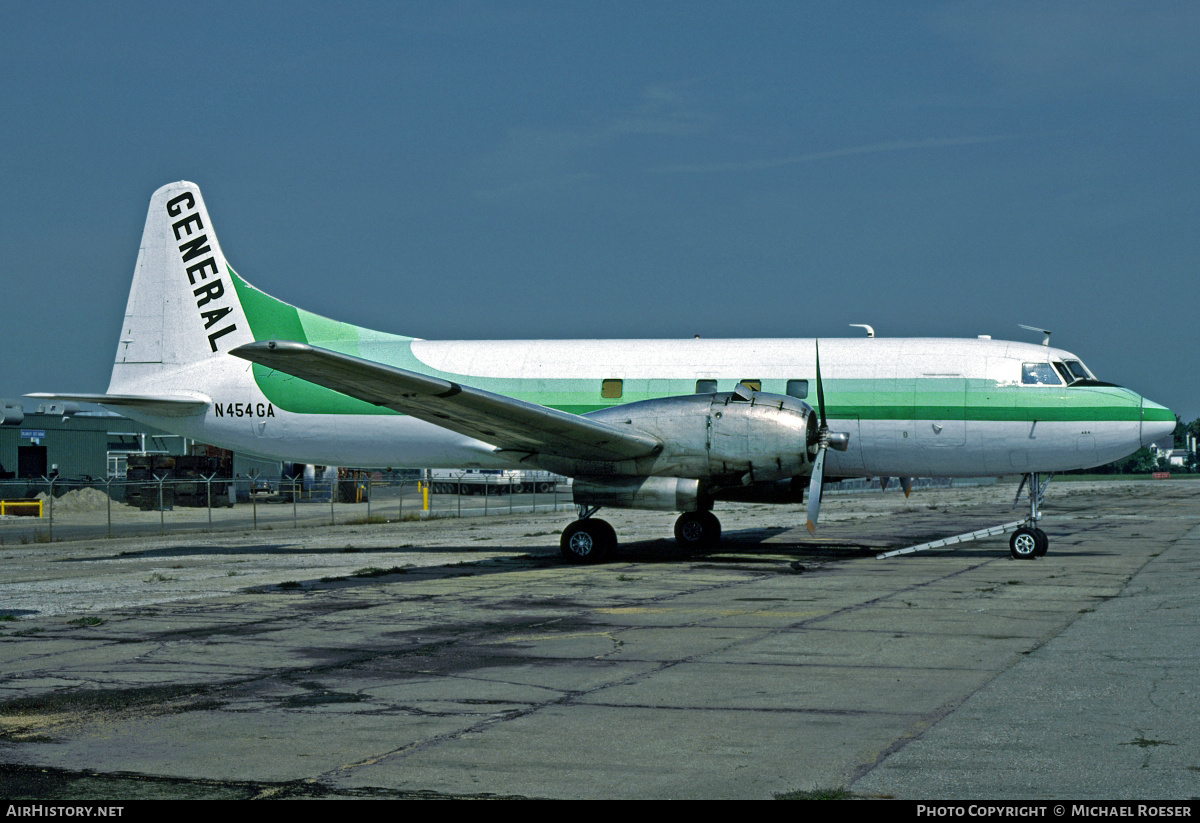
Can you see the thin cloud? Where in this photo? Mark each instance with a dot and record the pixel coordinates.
(538, 160)
(812, 157)
(1100, 46)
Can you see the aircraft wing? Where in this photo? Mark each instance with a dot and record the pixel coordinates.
(505, 422)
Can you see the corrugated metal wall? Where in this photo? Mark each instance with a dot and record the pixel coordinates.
(79, 444)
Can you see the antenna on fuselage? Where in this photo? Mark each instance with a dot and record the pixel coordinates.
(870, 331)
(1046, 332)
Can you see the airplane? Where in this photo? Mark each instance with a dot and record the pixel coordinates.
(671, 425)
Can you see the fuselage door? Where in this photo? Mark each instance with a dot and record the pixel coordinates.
(939, 403)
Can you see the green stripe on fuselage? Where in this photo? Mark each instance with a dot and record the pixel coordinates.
(272, 319)
(269, 319)
(929, 398)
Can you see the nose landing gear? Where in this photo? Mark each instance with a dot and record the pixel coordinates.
(1029, 541)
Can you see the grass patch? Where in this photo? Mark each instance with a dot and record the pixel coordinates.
(7, 617)
(159, 578)
(367, 521)
(375, 571)
(1116, 478)
(816, 794)
(86, 622)
(1142, 742)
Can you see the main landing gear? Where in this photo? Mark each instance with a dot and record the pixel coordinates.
(590, 539)
(697, 530)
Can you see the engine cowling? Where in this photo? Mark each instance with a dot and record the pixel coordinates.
(723, 438)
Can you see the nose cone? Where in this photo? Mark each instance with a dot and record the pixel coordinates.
(1157, 422)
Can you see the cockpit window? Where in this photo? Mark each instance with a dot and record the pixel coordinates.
(1039, 374)
(1072, 371)
(1078, 370)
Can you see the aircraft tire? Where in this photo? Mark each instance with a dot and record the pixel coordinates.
(1024, 543)
(697, 531)
(1043, 543)
(588, 540)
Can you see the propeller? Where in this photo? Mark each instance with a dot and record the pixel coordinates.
(838, 441)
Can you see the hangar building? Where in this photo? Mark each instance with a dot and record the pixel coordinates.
(76, 444)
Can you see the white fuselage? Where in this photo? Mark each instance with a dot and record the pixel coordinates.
(920, 406)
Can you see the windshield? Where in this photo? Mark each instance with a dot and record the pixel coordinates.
(1072, 371)
(1079, 370)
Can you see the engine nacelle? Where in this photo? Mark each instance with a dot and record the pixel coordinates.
(671, 494)
(727, 437)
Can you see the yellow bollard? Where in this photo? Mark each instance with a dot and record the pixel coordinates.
(425, 496)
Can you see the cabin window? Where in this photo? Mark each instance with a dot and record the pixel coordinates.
(706, 386)
(753, 385)
(611, 388)
(797, 388)
(1039, 374)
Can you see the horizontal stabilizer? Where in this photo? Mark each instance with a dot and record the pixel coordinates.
(505, 422)
(159, 405)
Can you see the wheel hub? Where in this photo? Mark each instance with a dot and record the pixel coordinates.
(582, 544)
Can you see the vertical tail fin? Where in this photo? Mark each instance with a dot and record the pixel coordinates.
(183, 307)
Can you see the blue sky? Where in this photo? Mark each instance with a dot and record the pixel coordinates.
(616, 169)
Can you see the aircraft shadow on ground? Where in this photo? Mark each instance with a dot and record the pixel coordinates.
(215, 549)
(754, 547)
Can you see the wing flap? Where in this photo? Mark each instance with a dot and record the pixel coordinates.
(505, 422)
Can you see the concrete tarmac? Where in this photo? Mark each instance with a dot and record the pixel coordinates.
(465, 659)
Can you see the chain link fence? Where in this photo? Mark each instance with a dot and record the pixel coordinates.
(55, 509)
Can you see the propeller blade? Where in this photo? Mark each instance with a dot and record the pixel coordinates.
(906, 484)
(818, 469)
(814, 491)
(824, 421)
